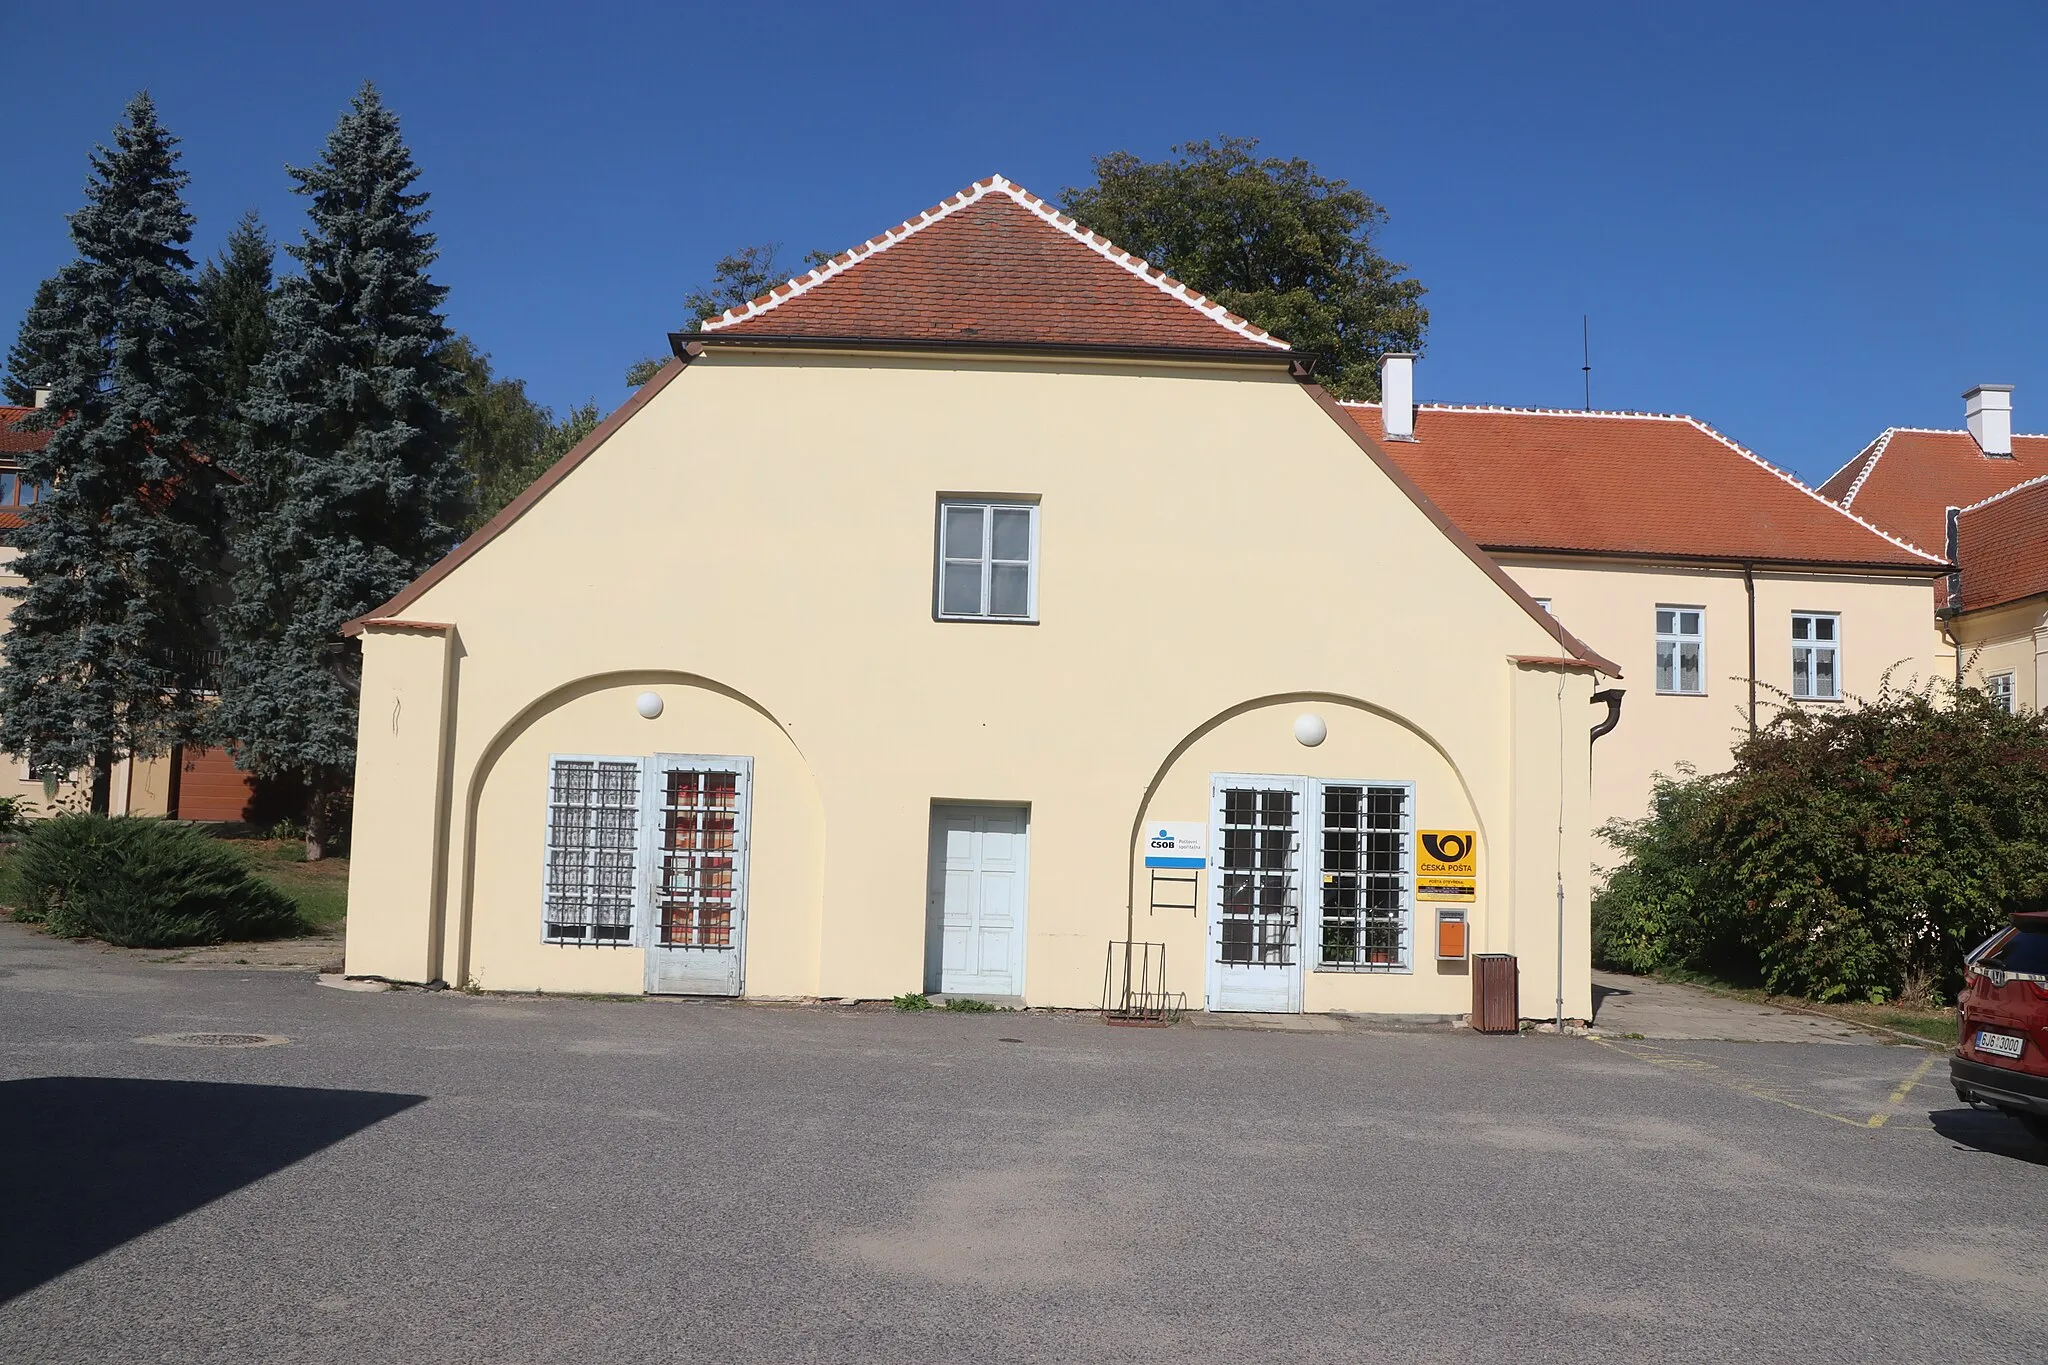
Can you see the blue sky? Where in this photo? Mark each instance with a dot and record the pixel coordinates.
(1801, 222)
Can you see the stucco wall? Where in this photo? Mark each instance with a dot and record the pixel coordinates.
(1612, 606)
(2006, 640)
(1209, 537)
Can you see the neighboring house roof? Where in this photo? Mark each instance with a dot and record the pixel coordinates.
(2002, 546)
(15, 441)
(994, 265)
(1908, 478)
(1655, 485)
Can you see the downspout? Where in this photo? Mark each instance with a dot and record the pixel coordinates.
(1749, 588)
(1952, 547)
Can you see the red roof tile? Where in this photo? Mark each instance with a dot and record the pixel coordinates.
(1907, 479)
(2002, 546)
(14, 441)
(995, 264)
(1624, 484)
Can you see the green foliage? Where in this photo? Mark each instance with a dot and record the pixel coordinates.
(353, 481)
(1852, 853)
(962, 1005)
(143, 883)
(642, 370)
(38, 349)
(235, 291)
(14, 813)
(912, 1002)
(508, 440)
(1271, 239)
(121, 556)
(743, 276)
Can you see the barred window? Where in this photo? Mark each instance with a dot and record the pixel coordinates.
(593, 851)
(1367, 839)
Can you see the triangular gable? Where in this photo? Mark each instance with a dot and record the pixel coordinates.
(994, 265)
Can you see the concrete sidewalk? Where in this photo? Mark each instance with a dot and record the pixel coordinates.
(1662, 1009)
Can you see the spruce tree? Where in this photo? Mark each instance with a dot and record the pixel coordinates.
(352, 476)
(37, 351)
(102, 658)
(235, 288)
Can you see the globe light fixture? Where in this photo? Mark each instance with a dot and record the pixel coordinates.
(648, 704)
(1309, 729)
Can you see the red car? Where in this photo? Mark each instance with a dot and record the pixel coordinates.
(2002, 1024)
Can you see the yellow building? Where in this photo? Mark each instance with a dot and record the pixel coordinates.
(1722, 586)
(2000, 616)
(880, 642)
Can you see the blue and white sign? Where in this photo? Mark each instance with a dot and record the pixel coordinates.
(1177, 843)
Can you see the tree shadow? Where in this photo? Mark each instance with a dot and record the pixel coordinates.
(1988, 1130)
(88, 1162)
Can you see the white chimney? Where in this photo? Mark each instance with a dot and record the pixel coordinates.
(1987, 409)
(42, 398)
(1397, 395)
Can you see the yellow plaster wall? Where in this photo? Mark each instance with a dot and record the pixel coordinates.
(2006, 640)
(766, 522)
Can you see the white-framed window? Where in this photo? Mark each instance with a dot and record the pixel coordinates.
(592, 870)
(1816, 655)
(1682, 650)
(1366, 884)
(987, 560)
(1998, 687)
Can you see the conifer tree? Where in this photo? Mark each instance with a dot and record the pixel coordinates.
(37, 351)
(353, 481)
(235, 288)
(102, 658)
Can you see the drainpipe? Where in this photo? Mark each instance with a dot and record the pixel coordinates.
(1749, 588)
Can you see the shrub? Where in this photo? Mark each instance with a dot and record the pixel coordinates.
(14, 813)
(143, 883)
(1851, 853)
(913, 1001)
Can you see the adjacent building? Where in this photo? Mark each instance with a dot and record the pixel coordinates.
(978, 601)
(1722, 586)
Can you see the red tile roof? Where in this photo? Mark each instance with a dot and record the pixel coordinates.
(1625, 483)
(2002, 546)
(1908, 478)
(995, 264)
(14, 441)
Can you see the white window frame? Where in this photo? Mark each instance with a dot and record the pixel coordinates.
(1813, 647)
(631, 938)
(1678, 639)
(1311, 951)
(2000, 688)
(989, 506)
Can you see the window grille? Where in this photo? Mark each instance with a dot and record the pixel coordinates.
(1681, 650)
(1260, 845)
(593, 851)
(988, 561)
(1816, 645)
(1367, 846)
(700, 823)
(1999, 688)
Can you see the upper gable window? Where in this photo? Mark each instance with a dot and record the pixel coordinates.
(988, 561)
(1681, 650)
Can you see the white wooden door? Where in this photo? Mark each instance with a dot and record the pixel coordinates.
(979, 857)
(1255, 892)
(695, 903)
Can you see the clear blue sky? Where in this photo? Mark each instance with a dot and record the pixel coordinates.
(1801, 222)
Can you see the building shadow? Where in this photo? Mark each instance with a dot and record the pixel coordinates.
(1988, 1130)
(1600, 996)
(88, 1162)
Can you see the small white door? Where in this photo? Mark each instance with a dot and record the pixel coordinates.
(696, 901)
(1255, 901)
(975, 903)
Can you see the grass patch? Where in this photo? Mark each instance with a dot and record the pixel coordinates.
(319, 890)
(1935, 1023)
(962, 1005)
(913, 1001)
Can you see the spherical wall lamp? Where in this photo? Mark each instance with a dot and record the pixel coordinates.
(1309, 729)
(648, 704)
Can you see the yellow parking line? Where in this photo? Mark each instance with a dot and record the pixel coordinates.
(1729, 1080)
(1906, 1087)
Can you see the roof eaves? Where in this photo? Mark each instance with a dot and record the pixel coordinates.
(910, 227)
(680, 342)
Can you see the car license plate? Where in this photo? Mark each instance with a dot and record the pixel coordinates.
(1999, 1044)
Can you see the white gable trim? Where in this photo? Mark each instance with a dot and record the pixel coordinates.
(996, 184)
(2016, 488)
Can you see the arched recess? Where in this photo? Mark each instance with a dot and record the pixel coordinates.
(496, 937)
(1366, 741)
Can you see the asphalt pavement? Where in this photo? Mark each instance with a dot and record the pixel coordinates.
(432, 1177)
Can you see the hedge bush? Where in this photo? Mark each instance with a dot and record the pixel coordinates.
(1852, 852)
(143, 883)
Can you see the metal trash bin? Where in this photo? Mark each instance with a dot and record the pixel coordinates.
(1496, 993)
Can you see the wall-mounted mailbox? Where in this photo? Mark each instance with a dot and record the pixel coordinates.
(1451, 945)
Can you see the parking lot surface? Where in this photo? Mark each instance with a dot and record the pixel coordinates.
(432, 1177)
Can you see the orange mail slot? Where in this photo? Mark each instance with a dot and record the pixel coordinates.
(1450, 935)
